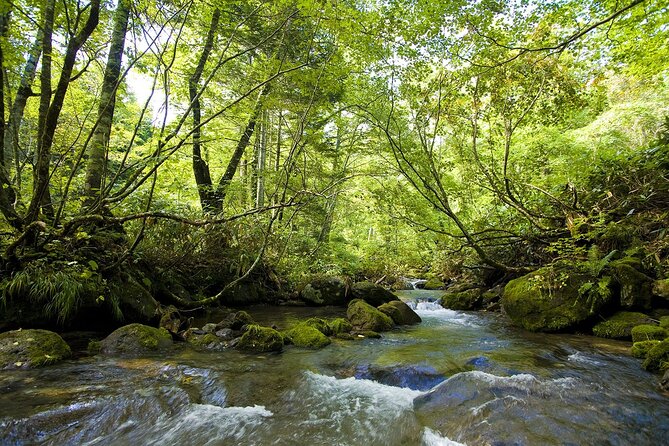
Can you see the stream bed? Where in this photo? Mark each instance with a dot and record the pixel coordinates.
(456, 378)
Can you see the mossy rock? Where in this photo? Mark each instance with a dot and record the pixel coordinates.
(661, 288)
(134, 340)
(325, 291)
(365, 317)
(641, 349)
(319, 324)
(260, 340)
(207, 341)
(463, 300)
(303, 335)
(400, 313)
(345, 336)
(664, 322)
(635, 286)
(554, 298)
(657, 359)
(647, 332)
(434, 284)
(619, 326)
(366, 334)
(340, 325)
(239, 319)
(27, 349)
(371, 293)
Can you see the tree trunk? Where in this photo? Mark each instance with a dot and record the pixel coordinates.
(205, 189)
(49, 113)
(262, 161)
(98, 149)
(243, 143)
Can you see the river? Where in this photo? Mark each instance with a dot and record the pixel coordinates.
(456, 378)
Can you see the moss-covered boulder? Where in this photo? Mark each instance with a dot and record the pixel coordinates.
(260, 340)
(661, 288)
(325, 291)
(365, 317)
(664, 322)
(641, 349)
(306, 336)
(619, 326)
(319, 324)
(26, 349)
(134, 340)
(657, 359)
(340, 325)
(362, 334)
(371, 293)
(554, 298)
(635, 286)
(207, 341)
(400, 313)
(647, 332)
(463, 300)
(434, 284)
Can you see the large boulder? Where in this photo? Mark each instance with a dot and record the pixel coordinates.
(136, 302)
(620, 325)
(434, 284)
(464, 300)
(25, 349)
(554, 299)
(325, 291)
(135, 340)
(365, 317)
(636, 288)
(339, 326)
(400, 313)
(371, 293)
(260, 340)
(303, 335)
(648, 332)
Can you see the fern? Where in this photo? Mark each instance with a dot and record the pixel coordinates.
(595, 263)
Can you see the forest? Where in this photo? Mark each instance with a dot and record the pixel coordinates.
(165, 163)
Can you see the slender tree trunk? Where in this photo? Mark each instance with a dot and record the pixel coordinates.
(49, 113)
(262, 161)
(243, 143)
(97, 156)
(201, 171)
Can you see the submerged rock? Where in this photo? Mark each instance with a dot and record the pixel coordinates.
(325, 291)
(554, 299)
(619, 326)
(365, 317)
(303, 335)
(260, 339)
(371, 293)
(647, 332)
(400, 313)
(26, 349)
(135, 339)
(415, 377)
(464, 300)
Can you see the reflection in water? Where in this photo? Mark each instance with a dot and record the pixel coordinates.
(457, 378)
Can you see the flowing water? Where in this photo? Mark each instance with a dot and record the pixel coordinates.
(457, 378)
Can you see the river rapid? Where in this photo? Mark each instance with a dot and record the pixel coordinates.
(456, 378)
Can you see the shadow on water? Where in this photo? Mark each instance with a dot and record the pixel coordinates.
(457, 378)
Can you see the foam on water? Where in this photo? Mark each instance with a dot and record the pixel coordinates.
(429, 309)
(432, 438)
(583, 359)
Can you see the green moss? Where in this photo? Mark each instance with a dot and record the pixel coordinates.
(635, 286)
(620, 325)
(94, 347)
(136, 339)
(303, 335)
(434, 284)
(31, 348)
(661, 288)
(239, 319)
(203, 340)
(641, 349)
(657, 359)
(400, 313)
(340, 325)
(555, 298)
(345, 336)
(647, 332)
(319, 324)
(464, 300)
(664, 322)
(260, 339)
(365, 317)
(366, 334)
